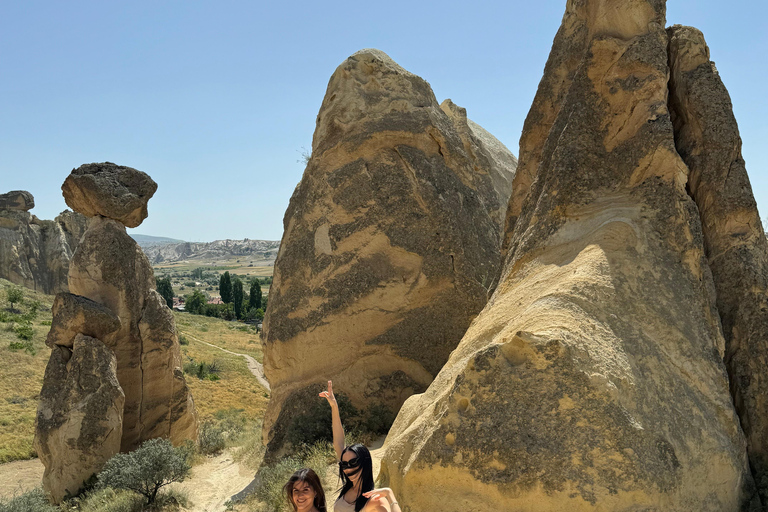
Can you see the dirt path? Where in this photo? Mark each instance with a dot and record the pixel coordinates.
(20, 476)
(214, 482)
(256, 368)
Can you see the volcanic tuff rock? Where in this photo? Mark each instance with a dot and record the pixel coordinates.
(390, 246)
(109, 190)
(35, 253)
(17, 200)
(79, 418)
(218, 249)
(594, 378)
(707, 138)
(113, 297)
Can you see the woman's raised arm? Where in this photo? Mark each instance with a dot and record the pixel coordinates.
(338, 428)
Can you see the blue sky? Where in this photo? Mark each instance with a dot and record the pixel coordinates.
(215, 100)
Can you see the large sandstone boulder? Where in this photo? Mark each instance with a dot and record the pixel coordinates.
(707, 138)
(35, 253)
(79, 417)
(594, 378)
(73, 315)
(20, 200)
(109, 190)
(390, 246)
(110, 268)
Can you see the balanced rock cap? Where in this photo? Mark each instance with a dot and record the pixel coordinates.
(109, 190)
(17, 200)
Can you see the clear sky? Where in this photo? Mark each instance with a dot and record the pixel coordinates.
(215, 100)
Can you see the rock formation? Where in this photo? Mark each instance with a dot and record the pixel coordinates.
(113, 303)
(390, 247)
(707, 138)
(79, 419)
(594, 378)
(263, 251)
(35, 253)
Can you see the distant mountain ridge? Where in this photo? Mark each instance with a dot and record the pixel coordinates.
(150, 241)
(218, 249)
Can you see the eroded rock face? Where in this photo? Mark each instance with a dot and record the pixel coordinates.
(35, 253)
(390, 246)
(79, 418)
(593, 379)
(73, 315)
(110, 268)
(19, 200)
(707, 138)
(109, 190)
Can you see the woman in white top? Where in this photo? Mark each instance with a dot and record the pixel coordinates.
(356, 471)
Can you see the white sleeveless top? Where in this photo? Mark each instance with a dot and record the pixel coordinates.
(343, 506)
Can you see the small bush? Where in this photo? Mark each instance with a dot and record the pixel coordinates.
(183, 340)
(203, 370)
(24, 331)
(212, 438)
(23, 345)
(153, 465)
(14, 295)
(45, 322)
(31, 501)
(107, 500)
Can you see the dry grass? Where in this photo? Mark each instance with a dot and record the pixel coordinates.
(237, 388)
(22, 378)
(22, 374)
(234, 336)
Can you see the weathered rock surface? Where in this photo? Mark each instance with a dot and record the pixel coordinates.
(110, 268)
(390, 246)
(79, 418)
(73, 315)
(109, 190)
(593, 379)
(20, 200)
(35, 253)
(707, 138)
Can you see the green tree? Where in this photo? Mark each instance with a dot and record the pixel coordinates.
(225, 288)
(198, 273)
(14, 295)
(153, 465)
(165, 288)
(237, 296)
(254, 301)
(195, 302)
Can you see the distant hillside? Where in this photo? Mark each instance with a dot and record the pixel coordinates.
(218, 249)
(151, 241)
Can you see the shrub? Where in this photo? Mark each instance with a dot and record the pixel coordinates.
(14, 295)
(153, 465)
(31, 501)
(23, 345)
(212, 438)
(183, 340)
(107, 500)
(203, 370)
(24, 331)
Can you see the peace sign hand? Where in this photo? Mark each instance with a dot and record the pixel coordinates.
(328, 395)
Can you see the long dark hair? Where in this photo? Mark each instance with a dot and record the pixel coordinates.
(311, 479)
(366, 476)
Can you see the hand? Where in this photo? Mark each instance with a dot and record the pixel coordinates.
(376, 502)
(382, 493)
(328, 395)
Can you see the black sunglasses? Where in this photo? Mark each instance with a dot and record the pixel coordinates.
(349, 464)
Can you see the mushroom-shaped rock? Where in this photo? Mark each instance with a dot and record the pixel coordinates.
(74, 314)
(109, 190)
(17, 200)
(79, 417)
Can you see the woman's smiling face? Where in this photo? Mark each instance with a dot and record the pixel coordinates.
(303, 496)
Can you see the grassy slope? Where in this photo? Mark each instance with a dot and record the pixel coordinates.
(22, 375)
(22, 378)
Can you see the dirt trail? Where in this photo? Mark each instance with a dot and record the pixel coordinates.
(20, 476)
(256, 368)
(214, 482)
